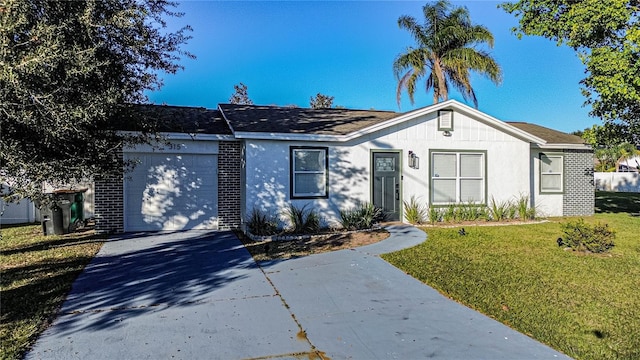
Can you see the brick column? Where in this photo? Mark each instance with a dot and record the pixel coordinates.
(108, 200)
(229, 184)
(579, 188)
(109, 205)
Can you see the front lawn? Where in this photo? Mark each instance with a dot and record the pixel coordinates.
(586, 306)
(615, 202)
(37, 273)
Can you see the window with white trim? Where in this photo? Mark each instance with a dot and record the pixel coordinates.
(458, 177)
(309, 172)
(551, 173)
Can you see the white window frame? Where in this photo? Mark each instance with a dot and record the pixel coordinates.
(458, 176)
(552, 156)
(324, 172)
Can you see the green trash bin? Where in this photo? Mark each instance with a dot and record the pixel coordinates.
(65, 214)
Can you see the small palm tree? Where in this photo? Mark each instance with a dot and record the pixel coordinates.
(445, 53)
(625, 151)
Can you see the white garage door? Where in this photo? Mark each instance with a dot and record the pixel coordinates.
(171, 192)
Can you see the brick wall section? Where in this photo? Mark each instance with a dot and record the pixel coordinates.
(579, 188)
(229, 176)
(109, 205)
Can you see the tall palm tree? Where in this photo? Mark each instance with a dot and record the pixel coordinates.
(445, 53)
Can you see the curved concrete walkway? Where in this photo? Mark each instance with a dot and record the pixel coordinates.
(199, 295)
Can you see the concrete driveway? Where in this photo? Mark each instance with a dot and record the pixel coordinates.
(200, 295)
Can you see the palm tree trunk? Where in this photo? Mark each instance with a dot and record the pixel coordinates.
(439, 89)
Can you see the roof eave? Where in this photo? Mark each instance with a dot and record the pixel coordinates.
(564, 146)
(284, 136)
(188, 136)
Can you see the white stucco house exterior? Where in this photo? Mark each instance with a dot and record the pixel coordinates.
(240, 157)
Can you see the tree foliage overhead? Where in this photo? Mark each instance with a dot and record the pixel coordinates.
(68, 69)
(613, 145)
(606, 36)
(321, 101)
(240, 95)
(445, 53)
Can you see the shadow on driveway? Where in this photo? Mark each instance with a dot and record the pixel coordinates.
(140, 271)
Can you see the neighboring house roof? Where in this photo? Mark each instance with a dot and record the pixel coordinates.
(549, 135)
(292, 120)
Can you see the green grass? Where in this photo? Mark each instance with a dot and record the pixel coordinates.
(586, 306)
(37, 273)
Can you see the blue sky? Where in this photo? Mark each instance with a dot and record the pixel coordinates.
(286, 52)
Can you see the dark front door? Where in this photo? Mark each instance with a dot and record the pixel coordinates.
(386, 183)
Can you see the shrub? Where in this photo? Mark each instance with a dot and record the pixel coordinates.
(580, 236)
(262, 224)
(414, 212)
(302, 221)
(362, 217)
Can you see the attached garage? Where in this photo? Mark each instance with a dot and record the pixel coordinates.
(191, 182)
(173, 188)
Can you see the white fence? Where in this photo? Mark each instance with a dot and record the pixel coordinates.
(618, 181)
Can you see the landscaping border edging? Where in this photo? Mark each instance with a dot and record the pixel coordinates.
(293, 237)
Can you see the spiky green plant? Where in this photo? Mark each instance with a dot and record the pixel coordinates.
(498, 210)
(512, 211)
(449, 213)
(371, 215)
(414, 212)
(302, 220)
(522, 206)
(261, 224)
(362, 217)
(434, 215)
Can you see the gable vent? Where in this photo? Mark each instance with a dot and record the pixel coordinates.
(445, 120)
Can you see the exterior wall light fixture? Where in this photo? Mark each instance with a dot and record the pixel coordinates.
(414, 160)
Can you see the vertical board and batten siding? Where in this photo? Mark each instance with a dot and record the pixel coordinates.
(268, 175)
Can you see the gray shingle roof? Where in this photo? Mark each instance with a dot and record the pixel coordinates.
(291, 120)
(286, 120)
(550, 135)
(182, 119)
